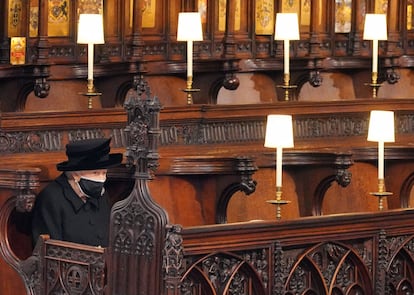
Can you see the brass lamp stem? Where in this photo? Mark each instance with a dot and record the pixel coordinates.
(91, 93)
(286, 80)
(286, 86)
(278, 202)
(374, 84)
(189, 87)
(189, 90)
(381, 193)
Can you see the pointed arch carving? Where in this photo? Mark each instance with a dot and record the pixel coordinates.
(228, 273)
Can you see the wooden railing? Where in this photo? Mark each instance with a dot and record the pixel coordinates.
(340, 254)
(369, 253)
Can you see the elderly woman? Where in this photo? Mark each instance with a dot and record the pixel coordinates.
(74, 207)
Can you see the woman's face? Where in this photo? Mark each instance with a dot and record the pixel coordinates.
(99, 174)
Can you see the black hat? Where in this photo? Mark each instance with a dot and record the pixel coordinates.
(89, 154)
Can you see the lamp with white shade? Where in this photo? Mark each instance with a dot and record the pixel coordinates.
(90, 32)
(279, 135)
(286, 29)
(190, 30)
(375, 28)
(381, 130)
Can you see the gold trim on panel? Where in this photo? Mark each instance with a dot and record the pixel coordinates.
(381, 6)
(18, 50)
(202, 9)
(58, 18)
(148, 13)
(90, 6)
(265, 14)
(305, 12)
(222, 16)
(290, 6)
(33, 18)
(237, 20)
(15, 18)
(343, 16)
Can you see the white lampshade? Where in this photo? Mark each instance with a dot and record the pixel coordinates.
(189, 27)
(279, 131)
(90, 29)
(287, 26)
(375, 27)
(381, 126)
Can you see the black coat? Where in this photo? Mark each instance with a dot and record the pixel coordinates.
(61, 213)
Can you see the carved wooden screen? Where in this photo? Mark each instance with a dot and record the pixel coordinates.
(244, 272)
(370, 257)
(328, 268)
(397, 257)
(325, 268)
(72, 270)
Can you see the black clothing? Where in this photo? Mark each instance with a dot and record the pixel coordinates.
(61, 213)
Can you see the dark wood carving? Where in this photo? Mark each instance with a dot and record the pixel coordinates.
(339, 258)
(17, 193)
(369, 253)
(24, 182)
(138, 224)
(58, 267)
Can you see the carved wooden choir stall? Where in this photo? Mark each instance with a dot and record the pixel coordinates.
(193, 202)
(348, 253)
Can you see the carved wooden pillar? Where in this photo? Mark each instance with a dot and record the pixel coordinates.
(18, 187)
(189, 5)
(137, 52)
(42, 39)
(4, 45)
(41, 71)
(137, 41)
(230, 82)
(397, 25)
(359, 27)
(138, 224)
(318, 27)
(229, 40)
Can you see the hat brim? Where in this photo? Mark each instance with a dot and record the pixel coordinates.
(111, 161)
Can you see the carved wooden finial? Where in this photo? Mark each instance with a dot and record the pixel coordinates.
(143, 129)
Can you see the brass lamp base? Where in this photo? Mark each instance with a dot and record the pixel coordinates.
(278, 202)
(91, 93)
(381, 194)
(286, 86)
(375, 87)
(190, 90)
(374, 84)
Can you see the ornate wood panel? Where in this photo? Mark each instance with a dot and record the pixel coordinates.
(329, 255)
